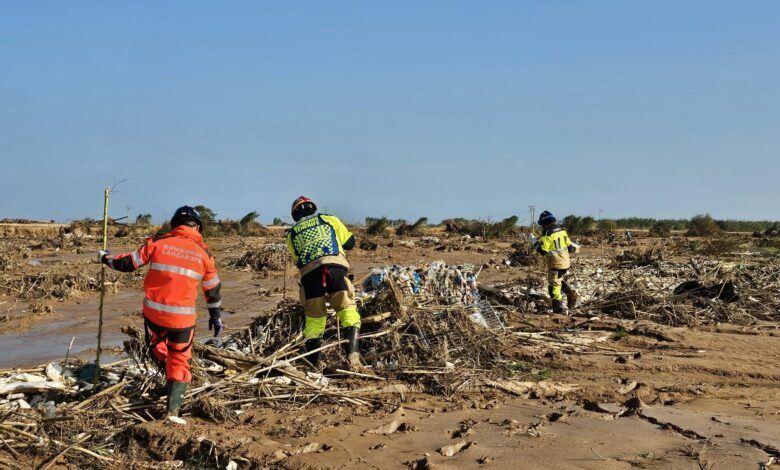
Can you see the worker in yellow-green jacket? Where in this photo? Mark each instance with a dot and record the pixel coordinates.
(317, 243)
(555, 246)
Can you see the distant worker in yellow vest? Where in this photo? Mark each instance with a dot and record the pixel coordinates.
(555, 246)
(317, 243)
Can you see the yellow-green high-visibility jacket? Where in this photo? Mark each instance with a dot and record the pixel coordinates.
(555, 245)
(319, 240)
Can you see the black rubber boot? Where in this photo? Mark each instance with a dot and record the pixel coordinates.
(352, 335)
(571, 299)
(557, 306)
(311, 345)
(571, 296)
(176, 392)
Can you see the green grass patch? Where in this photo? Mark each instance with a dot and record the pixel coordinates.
(544, 374)
(620, 334)
(528, 370)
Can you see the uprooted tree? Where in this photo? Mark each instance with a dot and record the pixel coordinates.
(412, 229)
(377, 226)
(249, 219)
(207, 215)
(143, 219)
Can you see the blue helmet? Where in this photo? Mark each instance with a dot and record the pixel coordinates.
(546, 218)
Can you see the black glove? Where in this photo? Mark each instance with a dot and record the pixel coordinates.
(214, 321)
(103, 255)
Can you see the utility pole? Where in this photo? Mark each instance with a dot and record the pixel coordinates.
(532, 210)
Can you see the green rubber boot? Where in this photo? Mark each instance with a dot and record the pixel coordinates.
(176, 392)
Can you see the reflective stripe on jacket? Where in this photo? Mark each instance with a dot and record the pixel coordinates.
(179, 263)
(318, 240)
(554, 245)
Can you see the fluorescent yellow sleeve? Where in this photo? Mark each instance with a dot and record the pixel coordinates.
(342, 232)
(291, 249)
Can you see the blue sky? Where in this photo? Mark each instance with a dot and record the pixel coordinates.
(403, 109)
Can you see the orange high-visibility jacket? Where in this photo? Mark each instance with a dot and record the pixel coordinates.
(179, 262)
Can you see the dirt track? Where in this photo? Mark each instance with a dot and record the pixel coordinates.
(710, 393)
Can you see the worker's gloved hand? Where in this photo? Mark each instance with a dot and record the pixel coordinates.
(102, 254)
(214, 321)
(532, 239)
(216, 324)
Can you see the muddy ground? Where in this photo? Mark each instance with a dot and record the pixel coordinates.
(709, 393)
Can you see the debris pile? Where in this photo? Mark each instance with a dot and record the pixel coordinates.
(12, 255)
(641, 285)
(7, 261)
(271, 257)
(671, 293)
(463, 243)
(427, 333)
(54, 285)
(55, 410)
(524, 255)
(428, 240)
(639, 257)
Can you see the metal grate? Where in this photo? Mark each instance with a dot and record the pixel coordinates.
(484, 314)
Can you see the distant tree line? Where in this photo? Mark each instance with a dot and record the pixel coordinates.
(727, 225)
(699, 225)
(472, 227)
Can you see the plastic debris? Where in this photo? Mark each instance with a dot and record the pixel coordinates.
(452, 284)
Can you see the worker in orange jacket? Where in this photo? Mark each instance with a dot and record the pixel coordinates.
(179, 263)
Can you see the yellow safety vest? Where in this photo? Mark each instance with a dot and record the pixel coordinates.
(318, 240)
(555, 243)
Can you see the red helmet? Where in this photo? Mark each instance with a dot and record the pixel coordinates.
(302, 207)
